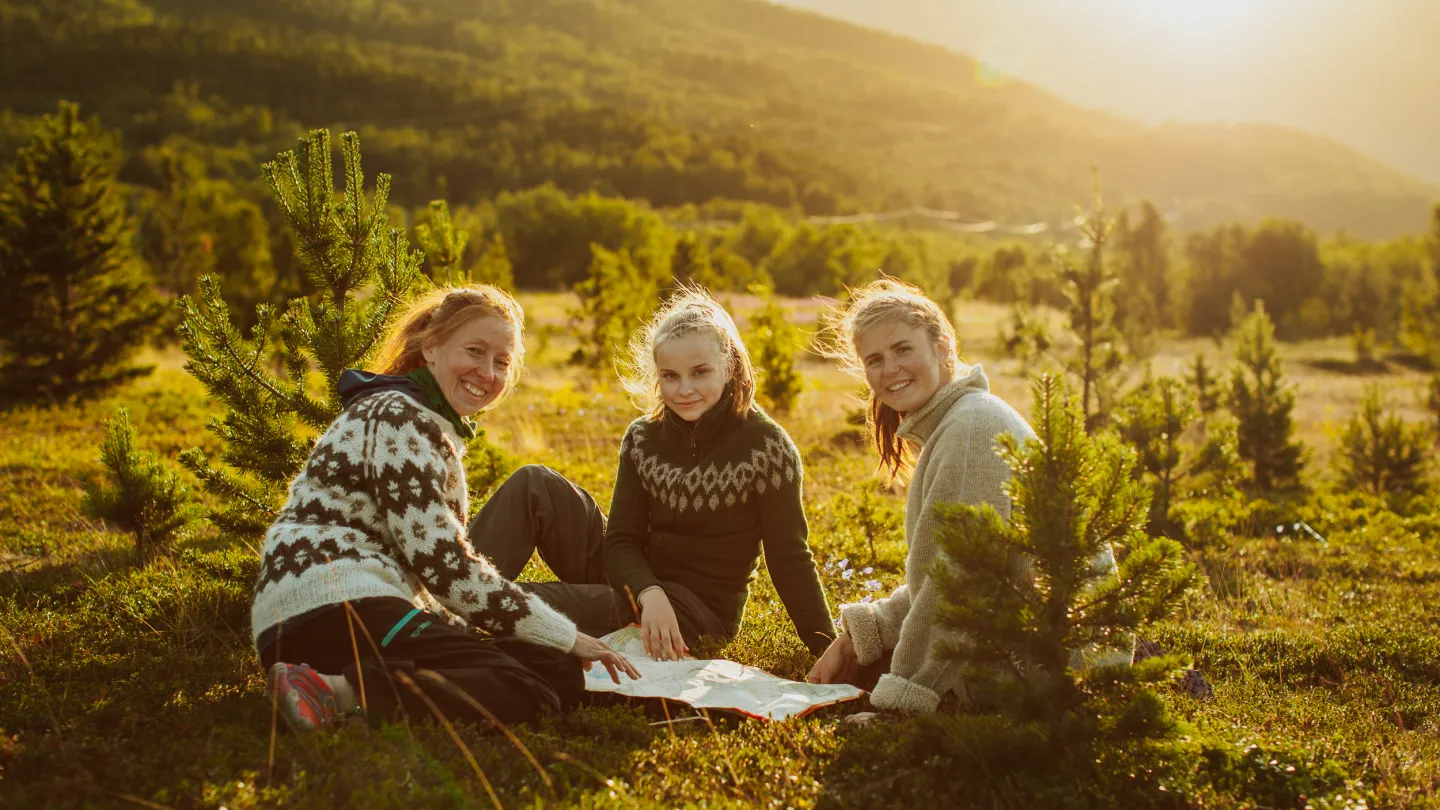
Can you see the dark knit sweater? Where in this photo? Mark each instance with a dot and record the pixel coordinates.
(695, 504)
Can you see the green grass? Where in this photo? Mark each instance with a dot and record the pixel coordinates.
(130, 686)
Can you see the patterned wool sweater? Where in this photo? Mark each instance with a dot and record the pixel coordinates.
(958, 463)
(696, 505)
(380, 510)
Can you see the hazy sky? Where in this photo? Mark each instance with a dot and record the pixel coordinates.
(1364, 72)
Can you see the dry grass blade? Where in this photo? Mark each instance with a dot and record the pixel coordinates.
(509, 735)
(142, 802)
(454, 736)
(604, 780)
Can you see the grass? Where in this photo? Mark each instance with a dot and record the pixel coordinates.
(136, 686)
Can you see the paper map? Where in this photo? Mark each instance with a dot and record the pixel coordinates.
(713, 684)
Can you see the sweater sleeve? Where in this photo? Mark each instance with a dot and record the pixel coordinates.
(628, 526)
(785, 535)
(966, 469)
(408, 474)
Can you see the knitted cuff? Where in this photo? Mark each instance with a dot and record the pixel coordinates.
(895, 692)
(864, 630)
(546, 626)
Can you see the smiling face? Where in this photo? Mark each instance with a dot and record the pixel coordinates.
(904, 365)
(692, 372)
(472, 365)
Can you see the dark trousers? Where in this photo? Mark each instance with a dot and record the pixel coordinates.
(540, 510)
(411, 662)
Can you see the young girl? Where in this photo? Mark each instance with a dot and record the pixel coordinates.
(706, 481)
(921, 399)
(368, 590)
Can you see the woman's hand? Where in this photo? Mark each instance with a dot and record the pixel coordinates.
(838, 664)
(589, 650)
(659, 628)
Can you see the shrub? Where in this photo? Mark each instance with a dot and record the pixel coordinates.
(1380, 453)
(77, 302)
(1262, 404)
(772, 340)
(138, 493)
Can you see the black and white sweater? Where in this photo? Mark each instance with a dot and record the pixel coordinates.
(380, 510)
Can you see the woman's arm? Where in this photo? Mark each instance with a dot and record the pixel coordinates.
(628, 527)
(407, 456)
(784, 534)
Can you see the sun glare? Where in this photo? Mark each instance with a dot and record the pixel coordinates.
(1195, 19)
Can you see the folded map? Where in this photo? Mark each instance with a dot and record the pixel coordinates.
(713, 684)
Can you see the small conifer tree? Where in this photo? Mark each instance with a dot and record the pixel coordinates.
(1380, 453)
(1089, 289)
(77, 302)
(273, 407)
(1262, 404)
(773, 340)
(614, 300)
(1205, 384)
(1038, 619)
(138, 493)
(1155, 419)
(444, 245)
(493, 267)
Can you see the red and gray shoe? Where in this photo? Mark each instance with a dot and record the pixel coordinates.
(304, 699)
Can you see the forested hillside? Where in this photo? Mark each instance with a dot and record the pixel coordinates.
(673, 101)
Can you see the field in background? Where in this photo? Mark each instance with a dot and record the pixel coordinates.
(122, 686)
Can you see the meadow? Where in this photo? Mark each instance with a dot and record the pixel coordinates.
(123, 685)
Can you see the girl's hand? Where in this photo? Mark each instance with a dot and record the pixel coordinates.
(838, 664)
(659, 628)
(589, 650)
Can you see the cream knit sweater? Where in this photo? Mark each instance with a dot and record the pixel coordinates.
(958, 463)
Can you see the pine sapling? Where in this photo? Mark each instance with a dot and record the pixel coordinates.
(444, 246)
(1159, 419)
(773, 341)
(78, 303)
(138, 493)
(1090, 289)
(614, 299)
(1205, 384)
(1380, 453)
(1262, 404)
(493, 267)
(273, 408)
(1042, 618)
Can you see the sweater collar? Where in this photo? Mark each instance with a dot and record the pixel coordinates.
(710, 424)
(439, 404)
(918, 426)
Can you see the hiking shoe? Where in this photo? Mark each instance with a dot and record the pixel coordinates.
(304, 699)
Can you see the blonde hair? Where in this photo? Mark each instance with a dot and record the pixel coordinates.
(435, 316)
(692, 310)
(878, 302)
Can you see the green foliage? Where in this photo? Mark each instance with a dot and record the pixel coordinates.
(493, 266)
(614, 301)
(1214, 269)
(77, 302)
(272, 416)
(1038, 613)
(773, 340)
(875, 518)
(138, 493)
(444, 246)
(1090, 294)
(1143, 304)
(1203, 380)
(1380, 453)
(549, 235)
(1432, 399)
(1262, 403)
(1156, 419)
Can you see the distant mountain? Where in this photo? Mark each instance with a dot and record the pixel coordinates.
(675, 101)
